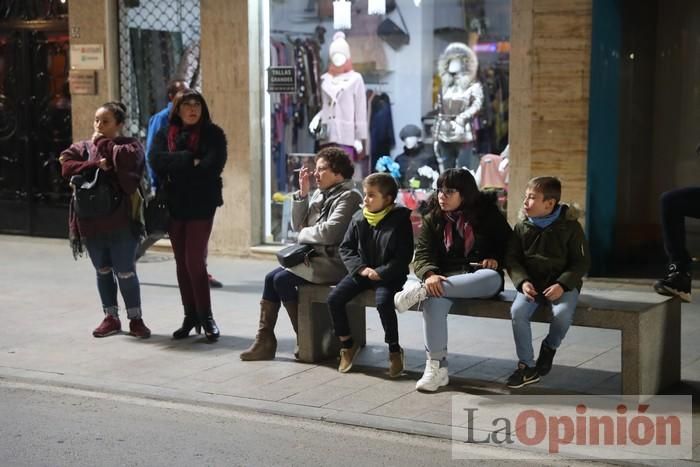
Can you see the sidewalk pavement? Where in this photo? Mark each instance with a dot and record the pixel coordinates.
(50, 305)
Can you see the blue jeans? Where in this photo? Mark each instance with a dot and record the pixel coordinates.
(112, 254)
(483, 283)
(281, 286)
(451, 155)
(562, 315)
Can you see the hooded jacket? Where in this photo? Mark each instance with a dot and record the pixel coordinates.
(491, 236)
(321, 220)
(555, 254)
(387, 248)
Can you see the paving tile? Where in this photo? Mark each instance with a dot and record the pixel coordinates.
(489, 370)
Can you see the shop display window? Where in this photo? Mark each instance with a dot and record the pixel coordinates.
(414, 91)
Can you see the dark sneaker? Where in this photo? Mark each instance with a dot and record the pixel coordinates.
(676, 282)
(213, 283)
(110, 325)
(138, 329)
(544, 361)
(523, 376)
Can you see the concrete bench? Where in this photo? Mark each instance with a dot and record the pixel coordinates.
(650, 325)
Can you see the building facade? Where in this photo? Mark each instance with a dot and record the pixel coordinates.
(591, 96)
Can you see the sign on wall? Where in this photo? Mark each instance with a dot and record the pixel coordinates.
(281, 79)
(82, 82)
(87, 57)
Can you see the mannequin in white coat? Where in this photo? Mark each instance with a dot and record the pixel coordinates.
(343, 117)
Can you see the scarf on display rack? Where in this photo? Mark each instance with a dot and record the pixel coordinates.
(190, 134)
(339, 70)
(465, 230)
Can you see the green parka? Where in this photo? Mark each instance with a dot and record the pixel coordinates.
(491, 235)
(555, 254)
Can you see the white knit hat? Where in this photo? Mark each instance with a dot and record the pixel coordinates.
(339, 45)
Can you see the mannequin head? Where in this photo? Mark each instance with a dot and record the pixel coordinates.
(339, 51)
(457, 65)
(410, 135)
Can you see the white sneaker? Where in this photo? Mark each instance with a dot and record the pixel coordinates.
(405, 299)
(433, 377)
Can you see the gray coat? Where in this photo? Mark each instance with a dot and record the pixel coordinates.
(321, 220)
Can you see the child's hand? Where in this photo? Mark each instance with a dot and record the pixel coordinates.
(370, 274)
(434, 285)
(529, 290)
(489, 263)
(553, 292)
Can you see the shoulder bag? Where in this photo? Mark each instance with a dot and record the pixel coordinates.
(392, 33)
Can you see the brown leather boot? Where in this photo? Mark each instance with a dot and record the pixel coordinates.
(293, 312)
(265, 344)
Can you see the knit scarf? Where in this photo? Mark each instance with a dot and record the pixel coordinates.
(374, 218)
(192, 138)
(339, 70)
(545, 221)
(463, 229)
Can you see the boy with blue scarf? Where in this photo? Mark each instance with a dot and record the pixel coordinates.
(547, 259)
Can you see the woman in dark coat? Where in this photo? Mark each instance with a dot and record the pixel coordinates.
(188, 157)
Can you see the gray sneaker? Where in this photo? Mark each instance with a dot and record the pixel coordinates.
(405, 299)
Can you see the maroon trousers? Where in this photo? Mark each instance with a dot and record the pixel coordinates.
(189, 240)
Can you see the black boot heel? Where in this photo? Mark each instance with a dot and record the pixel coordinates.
(191, 321)
(211, 330)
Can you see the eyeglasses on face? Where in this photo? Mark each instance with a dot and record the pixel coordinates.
(448, 191)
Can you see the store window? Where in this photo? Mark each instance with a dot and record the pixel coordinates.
(158, 42)
(419, 89)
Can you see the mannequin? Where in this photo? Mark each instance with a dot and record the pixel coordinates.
(343, 116)
(460, 99)
(415, 155)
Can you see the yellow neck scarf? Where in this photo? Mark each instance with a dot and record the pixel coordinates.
(375, 217)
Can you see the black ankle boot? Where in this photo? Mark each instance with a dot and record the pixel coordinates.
(211, 330)
(191, 321)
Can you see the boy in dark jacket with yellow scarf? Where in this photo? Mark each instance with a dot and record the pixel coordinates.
(376, 250)
(547, 259)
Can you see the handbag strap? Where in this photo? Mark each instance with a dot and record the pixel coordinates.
(405, 28)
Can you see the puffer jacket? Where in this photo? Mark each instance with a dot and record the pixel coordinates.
(555, 254)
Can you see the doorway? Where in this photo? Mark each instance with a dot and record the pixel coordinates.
(653, 131)
(35, 123)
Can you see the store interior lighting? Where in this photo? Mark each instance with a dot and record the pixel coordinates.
(376, 7)
(341, 14)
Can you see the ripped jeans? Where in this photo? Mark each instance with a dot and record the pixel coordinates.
(112, 254)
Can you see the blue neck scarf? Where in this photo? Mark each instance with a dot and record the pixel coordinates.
(545, 221)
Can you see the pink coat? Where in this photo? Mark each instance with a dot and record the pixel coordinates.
(344, 107)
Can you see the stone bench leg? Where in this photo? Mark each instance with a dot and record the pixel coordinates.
(651, 350)
(317, 342)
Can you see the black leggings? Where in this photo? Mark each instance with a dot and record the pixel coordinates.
(676, 205)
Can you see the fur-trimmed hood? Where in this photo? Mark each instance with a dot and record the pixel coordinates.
(470, 64)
